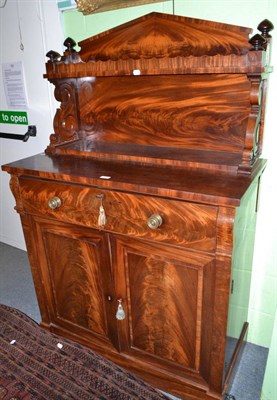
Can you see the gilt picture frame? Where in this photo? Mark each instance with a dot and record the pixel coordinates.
(95, 6)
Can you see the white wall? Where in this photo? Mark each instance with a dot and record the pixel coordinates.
(41, 31)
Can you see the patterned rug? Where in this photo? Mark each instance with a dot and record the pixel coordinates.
(36, 364)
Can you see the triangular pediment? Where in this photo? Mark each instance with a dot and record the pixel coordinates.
(159, 35)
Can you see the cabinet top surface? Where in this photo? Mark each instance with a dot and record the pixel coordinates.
(187, 184)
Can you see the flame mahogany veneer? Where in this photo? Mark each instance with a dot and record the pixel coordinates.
(162, 116)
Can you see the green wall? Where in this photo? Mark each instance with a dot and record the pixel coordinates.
(269, 391)
(244, 239)
(263, 300)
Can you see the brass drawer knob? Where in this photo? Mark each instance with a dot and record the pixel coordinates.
(54, 203)
(154, 221)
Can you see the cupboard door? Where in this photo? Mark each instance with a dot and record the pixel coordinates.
(77, 280)
(168, 300)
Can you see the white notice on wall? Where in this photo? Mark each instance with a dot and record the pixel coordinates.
(14, 85)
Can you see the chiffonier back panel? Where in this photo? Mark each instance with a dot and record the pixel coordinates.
(196, 111)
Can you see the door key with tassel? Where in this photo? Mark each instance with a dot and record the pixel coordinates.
(102, 220)
(120, 313)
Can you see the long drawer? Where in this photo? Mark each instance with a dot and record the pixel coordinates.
(181, 223)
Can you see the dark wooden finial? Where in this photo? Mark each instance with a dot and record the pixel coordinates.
(258, 42)
(53, 56)
(70, 55)
(70, 44)
(265, 27)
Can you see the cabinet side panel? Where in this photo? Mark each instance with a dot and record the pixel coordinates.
(244, 236)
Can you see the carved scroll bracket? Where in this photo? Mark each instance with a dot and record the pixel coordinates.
(66, 119)
(252, 144)
(15, 189)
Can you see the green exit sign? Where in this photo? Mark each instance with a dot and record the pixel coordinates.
(14, 117)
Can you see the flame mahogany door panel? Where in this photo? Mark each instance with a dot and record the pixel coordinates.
(167, 297)
(77, 280)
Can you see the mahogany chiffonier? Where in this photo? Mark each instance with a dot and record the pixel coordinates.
(139, 218)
